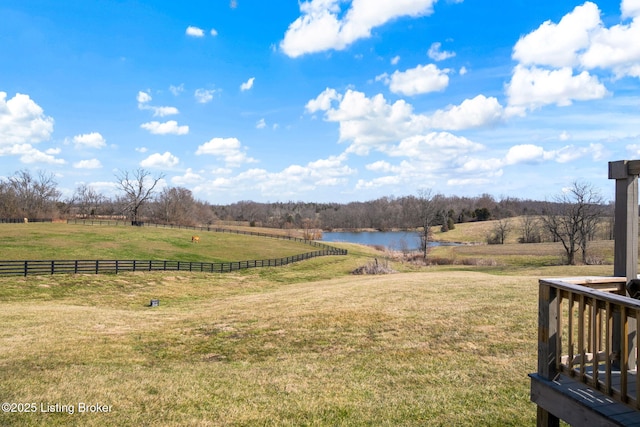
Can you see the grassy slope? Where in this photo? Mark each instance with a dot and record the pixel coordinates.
(305, 344)
(62, 241)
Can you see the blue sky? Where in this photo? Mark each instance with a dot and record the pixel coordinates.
(324, 100)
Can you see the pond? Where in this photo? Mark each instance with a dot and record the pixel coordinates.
(394, 240)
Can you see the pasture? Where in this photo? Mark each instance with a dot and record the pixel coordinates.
(304, 344)
(63, 241)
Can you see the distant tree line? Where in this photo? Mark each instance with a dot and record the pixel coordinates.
(385, 213)
(36, 196)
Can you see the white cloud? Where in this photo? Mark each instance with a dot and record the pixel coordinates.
(421, 79)
(143, 98)
(323, 101)
(204, 95)
(571, 153)
(549, 55)
(157, 160)
(228, 149)
(88, 164)
(261, 124)
(382, 166)
(194, 31)
(247, 85)
(323, 25)
(525, 153)
(611, 48)
(630, 8)
(29, 154)
(373, 123)
(369, 123)
(557, 45)
(170, 127)
(378, 182)
(395, 60)
(479, 111)
(291, 181)
(438, 55)
(534, 87)
(213, 32)
(89, 140)
(164, 111)
(533, 154)
(176, 90)
(189, 178)
(442, 146)
(22, 121)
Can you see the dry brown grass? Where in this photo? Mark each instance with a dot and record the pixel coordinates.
(437, 348)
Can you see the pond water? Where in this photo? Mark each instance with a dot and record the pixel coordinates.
(394, 240)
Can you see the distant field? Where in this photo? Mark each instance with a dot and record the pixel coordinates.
(303, 344)
(63, 241)
(511, 254)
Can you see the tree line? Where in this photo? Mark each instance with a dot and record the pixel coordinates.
(572, 218)
(37, 196)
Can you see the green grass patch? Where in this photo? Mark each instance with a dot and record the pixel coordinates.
(41, 241)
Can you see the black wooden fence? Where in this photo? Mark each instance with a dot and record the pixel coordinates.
(22, 220)
(24, 268)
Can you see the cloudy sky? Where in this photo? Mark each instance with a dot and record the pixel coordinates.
(323, 100)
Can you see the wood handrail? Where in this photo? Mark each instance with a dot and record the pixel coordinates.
(584, 333)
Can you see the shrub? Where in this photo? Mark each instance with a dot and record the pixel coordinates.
(374, 267)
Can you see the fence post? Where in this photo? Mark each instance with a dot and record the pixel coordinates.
(26, 268)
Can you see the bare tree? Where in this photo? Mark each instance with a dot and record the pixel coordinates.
(8, 201)
(501, 229)
(427, 215)
(34, 196)
(176, 205)
(87, 199)
(573, 217)
(530, 229)
(138, 187)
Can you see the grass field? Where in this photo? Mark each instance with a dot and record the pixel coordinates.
(63, 241)
(305, 344)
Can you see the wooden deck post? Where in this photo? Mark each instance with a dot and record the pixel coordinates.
(547, 346)
(625, 261)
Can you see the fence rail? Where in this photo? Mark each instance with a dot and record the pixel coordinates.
(34, 267)
(23, 220)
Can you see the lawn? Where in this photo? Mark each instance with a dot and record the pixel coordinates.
(62, 241)
(304, 344)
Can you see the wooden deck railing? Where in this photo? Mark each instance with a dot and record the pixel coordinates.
(586, 332)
